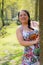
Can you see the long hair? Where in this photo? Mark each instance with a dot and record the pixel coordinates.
(29, 21)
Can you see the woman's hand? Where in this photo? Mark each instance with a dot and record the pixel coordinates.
(37, 40)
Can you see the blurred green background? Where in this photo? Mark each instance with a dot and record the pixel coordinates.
(10, 50)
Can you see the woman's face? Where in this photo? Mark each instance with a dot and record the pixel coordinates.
(23, 17)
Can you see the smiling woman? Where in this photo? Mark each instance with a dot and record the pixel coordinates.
(23, 17)
(32, 47)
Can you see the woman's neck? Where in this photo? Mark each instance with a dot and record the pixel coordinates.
(25, 26)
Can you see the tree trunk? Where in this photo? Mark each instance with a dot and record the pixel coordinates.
(41, 30)
(36, 9)
(2, 13)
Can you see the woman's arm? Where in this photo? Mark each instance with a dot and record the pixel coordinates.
(22, 41)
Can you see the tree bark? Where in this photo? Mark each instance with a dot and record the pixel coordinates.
(2, 13)
(36, 9)
(41, 30)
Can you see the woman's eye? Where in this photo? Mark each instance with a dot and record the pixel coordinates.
(20, 15)
(24, 14)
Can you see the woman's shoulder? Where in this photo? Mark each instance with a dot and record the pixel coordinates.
(18, 28)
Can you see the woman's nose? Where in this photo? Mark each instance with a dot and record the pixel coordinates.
(23, 16)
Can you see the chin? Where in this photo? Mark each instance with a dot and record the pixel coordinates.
(24, 22)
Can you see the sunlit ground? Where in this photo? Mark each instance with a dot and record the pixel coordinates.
(10, 49)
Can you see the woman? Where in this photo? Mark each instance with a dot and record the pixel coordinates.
(31, 51)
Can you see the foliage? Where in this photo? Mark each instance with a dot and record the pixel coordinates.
(11, 8)
(10, 49)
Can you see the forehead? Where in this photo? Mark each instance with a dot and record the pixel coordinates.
(22, 12)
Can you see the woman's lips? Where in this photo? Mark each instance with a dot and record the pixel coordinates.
(23, 18)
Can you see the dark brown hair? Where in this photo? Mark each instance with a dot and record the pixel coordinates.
(29, 24)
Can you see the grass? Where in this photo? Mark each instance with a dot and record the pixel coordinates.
(10, 49)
